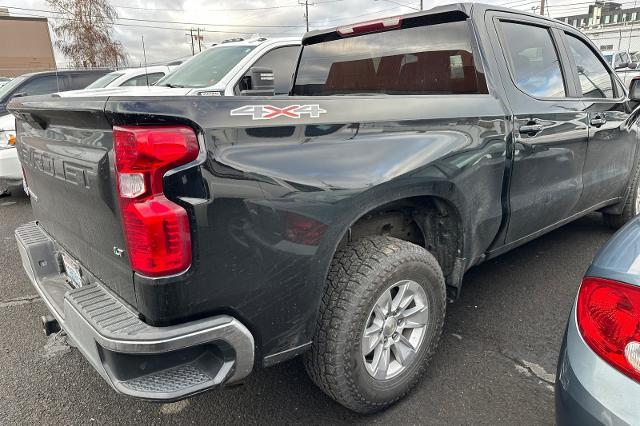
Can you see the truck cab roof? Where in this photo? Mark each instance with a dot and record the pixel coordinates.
(454, 11)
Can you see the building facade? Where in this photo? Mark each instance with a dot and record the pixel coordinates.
(609, 26)
(27, 46)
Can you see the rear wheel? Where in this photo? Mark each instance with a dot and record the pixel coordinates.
(4, 190)
(631, 207)
(380, 321)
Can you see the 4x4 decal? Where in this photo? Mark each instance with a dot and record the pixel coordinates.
(267, 112)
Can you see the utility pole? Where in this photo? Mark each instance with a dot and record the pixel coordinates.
(199, 39)
(421, 5)
(144, 52)
(306, 11)
(542, 7)
(190, 34)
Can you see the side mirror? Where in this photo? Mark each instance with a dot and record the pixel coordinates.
(19, 95)
(622, 65)
(633, 65)
(259, 81)
(634, 89)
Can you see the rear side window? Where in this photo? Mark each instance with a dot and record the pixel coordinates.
(283, 63)
(42, 86)
(595, 80)
(533, 60)
(425, 60)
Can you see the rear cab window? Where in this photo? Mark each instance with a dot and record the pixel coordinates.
(433, 59)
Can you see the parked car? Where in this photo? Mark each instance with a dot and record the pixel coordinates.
(598, 372)
(145, 76)
(10, 171)
(42, 83)
(227, 69)
(624, 64)
(25, 85)
(224, 69)
(222, 235)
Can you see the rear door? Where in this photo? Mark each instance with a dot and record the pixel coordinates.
(612, 141)
(550, 127)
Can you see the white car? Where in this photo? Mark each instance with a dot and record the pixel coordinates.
(10, 170)
(222, 70)
(145, 76)
(624, 65)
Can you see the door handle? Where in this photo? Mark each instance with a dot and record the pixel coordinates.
(530, 129)
(597, 121)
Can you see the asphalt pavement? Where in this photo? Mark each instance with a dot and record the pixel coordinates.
(495, 364)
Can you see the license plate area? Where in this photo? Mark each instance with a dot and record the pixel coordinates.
(72, 270)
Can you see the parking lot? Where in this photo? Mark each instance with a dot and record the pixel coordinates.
(495, 363)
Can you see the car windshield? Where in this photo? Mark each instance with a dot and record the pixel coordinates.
(8, 88)
(208, 68)
(104, 80)
(608, 58)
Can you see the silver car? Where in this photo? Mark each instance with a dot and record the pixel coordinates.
(598, 377)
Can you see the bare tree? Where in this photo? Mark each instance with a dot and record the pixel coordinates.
(84, 33)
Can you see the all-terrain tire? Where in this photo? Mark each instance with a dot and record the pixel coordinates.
(631, 206)
(359, 274)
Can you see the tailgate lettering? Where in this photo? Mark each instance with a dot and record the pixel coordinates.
(57, 167)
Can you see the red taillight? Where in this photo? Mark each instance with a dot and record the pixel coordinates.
(609, 320)
(156, 229)
(371, 26)
(304, 230)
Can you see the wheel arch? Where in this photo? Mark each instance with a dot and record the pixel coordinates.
(441, 196)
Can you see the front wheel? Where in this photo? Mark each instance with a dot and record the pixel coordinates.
(380, 321)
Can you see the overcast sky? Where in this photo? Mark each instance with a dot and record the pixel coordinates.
(224, 19)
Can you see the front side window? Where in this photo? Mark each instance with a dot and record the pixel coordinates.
(8, 89)
(595, 80)
(424, 60)
(533, 60)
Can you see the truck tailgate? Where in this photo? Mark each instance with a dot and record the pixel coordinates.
(65, 151)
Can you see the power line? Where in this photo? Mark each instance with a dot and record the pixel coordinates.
(282, 6)
(162, 21)
(404, 4)
(316, 24)
(155, 27)
(361, 15)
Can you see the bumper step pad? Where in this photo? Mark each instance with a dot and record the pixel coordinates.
(169, 381)
(137, 359)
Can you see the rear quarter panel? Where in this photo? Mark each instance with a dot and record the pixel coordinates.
(361, 153)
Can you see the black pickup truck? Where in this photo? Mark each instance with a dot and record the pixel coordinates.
(183, 241)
